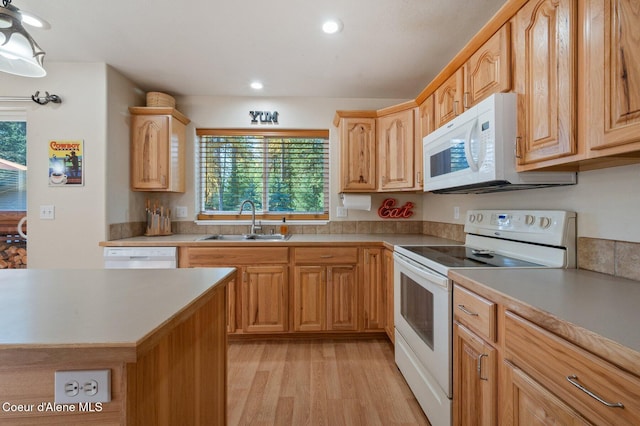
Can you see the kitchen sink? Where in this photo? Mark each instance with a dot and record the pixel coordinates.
(244, 237)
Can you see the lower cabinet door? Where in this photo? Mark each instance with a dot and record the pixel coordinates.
(309, 298)
(264, 299)
(474, 379)
(529, 403)
(342, 296)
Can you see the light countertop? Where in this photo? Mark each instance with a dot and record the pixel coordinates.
(296, 239)
(586, 307)
(96, 308)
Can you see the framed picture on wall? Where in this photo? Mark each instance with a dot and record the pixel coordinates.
(66, 165)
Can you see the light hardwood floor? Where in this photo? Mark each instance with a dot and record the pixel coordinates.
(318, 382)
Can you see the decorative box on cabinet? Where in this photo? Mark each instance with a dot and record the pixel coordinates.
(158, 139)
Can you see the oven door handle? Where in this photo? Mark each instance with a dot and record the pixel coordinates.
(424, 272)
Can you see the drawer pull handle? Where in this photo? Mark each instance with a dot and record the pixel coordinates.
(480, 367)
(573, 379)
(467, 311)
(326, 256)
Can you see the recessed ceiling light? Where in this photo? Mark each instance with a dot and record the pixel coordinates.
(256, 85)
(332, 26)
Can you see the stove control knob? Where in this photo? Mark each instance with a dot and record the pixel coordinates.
(480, 217)
(472, 218)
(529, 219)
(545, 222)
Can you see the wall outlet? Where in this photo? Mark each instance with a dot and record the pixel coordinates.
(341, 212)
(181, 212)
(82, 386)
(47, 212)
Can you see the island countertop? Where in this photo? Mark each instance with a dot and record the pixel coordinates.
(98, 308)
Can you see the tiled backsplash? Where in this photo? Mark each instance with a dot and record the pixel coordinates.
(619, 258)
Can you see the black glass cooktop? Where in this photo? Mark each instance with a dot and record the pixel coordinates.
(465, 257)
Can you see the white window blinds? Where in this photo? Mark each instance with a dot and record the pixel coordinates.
(283, 173)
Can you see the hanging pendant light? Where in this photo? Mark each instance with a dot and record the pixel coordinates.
(19, 53)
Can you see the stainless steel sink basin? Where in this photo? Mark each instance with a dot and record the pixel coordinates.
(244, 237)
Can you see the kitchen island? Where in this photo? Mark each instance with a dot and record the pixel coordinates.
(160, 333)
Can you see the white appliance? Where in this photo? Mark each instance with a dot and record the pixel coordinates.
(475, 152)
(140, 257)
(423, 298)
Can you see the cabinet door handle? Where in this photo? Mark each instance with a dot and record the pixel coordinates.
(480, 367)
(573, 379)
(419, 177)
(455, 107)
(518, 139)
(465, 99)
(467, 311)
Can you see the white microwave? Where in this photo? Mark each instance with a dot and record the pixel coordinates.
(475, 152)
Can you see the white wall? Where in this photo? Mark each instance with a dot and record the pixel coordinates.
(606, 201)
(294, 113)
(71, 239)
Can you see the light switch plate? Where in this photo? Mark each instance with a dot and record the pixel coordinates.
(47, 212)
(181, 212)
(341, 212)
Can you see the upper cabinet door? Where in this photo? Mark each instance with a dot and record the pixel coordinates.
(545, 78)
(358, 154)
(448, 98)
(396, 150)
(611, 79)
(158, 140)
(488, 70)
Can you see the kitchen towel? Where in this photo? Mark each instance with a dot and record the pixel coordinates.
(357, 201)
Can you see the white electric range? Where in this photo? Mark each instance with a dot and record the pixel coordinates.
(423, 310)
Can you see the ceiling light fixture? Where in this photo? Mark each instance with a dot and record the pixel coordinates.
(19, 53)
(332, 26)
(256, 85)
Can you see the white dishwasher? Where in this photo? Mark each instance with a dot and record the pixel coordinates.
(140, 257)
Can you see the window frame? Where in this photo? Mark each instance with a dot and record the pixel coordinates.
(270, 216)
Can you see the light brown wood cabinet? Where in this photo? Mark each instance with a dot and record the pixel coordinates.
(259, 302)
(531, 403)
(389, 326)
(396, 146)
(373, 290)
(358, 154)
(611, 79)
(475, 379)
(590, 387)
(475, 361)
(449, 97)
(544, 46)
(424, 124)
(158, 139)
(488, 70)
(325, 289)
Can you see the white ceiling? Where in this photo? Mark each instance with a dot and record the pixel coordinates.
(387, 49)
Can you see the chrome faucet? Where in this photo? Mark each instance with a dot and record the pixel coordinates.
(254, 228)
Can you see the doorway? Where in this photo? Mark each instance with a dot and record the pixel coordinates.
(13, 189)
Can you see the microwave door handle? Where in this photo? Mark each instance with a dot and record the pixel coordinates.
(467, 147)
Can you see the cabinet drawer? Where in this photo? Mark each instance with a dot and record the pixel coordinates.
(475, 311)
(219, 256)
(325, 255)
(562, 366)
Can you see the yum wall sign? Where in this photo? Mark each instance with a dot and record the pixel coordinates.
(264, 117)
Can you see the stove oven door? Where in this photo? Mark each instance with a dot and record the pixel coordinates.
(423, 319)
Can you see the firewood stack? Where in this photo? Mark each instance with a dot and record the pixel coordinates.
(12, 257)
